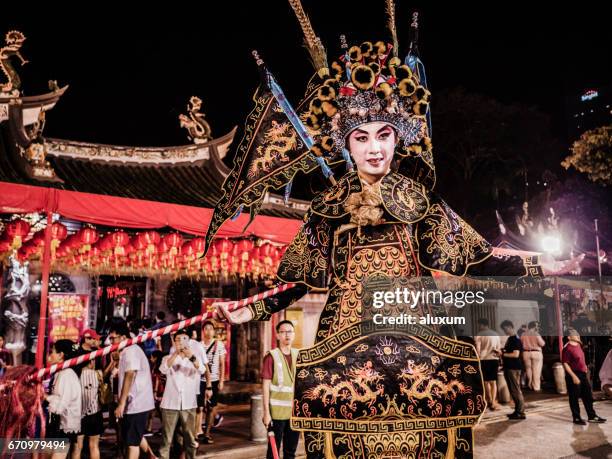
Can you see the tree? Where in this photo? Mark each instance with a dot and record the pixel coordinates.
(592, 155)
(487, 150)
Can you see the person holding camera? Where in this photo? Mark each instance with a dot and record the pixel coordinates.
(182, 368)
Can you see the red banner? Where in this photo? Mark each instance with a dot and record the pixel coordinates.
(67, 316)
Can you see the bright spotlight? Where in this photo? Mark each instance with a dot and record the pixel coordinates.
(551, 244)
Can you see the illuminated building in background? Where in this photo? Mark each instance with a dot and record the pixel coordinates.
(588, 109)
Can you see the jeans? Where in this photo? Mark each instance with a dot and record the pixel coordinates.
(513, 378)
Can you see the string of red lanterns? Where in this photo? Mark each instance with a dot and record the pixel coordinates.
(146, 252)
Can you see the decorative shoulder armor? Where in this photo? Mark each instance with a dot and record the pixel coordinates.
(330, 203)
(404, 198)
(447, 243)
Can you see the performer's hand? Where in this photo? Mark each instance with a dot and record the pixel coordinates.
(267, 419)
(221, 384)
(208, 394)
(576, 380)
(236, 317)
(119, 410)
(552, 267)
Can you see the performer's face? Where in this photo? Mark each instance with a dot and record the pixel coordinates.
(372, 147)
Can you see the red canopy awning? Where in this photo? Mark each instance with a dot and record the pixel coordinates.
(136, 213)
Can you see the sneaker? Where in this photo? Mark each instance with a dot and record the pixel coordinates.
(580, 422)
(206, 440)
(597, 420)
(517, 416)
(218, 420)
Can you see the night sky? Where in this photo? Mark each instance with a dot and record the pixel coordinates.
(131, 74)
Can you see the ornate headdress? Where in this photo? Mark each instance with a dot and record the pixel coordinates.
(368, 83)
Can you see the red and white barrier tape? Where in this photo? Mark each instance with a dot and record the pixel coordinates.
(150, 334)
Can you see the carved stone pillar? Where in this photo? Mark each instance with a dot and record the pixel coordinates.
(15, 313)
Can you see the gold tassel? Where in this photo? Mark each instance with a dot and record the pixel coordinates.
(452, 444)
(390, 10)
(313, 43)
(329, 448)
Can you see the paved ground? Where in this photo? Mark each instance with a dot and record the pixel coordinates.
(546, 433)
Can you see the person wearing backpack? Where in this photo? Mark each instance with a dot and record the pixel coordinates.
(215, 352)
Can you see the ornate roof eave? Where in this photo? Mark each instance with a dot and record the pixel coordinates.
(31, 106)
(273, 201)
(193, 154)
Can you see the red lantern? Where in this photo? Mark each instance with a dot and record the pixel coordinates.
(149, 239)
(222, 247)
(188, 251)
(58, 231)
(245, 246)
(137, 243)
(173, 241)
(198, 244)
(105, 244)
(5, 246)
(88, 237)
(119, 240)
(15, 232)
(72, 242)
(163, 247)
(62, 252)
(266, 250)
(39, 238)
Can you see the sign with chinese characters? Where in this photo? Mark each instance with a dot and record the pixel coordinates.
(67, 316)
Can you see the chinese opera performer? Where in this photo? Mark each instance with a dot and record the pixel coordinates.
(367, 390)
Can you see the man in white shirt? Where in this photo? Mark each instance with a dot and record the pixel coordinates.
(182, 368)
(135, 393)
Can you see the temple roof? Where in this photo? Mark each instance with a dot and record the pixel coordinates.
(187, 174)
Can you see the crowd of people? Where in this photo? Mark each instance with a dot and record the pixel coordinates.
(176, 378)
(521, 358)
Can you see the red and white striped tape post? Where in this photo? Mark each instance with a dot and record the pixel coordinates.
(150, 334)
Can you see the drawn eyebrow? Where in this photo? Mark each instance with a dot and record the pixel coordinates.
(386, 126)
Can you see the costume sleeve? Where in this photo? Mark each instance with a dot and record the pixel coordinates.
(305, 262)
(307, 258)
(507, 265)
(263, 310)
(447, 243)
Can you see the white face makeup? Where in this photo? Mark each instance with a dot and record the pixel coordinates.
(372, 147)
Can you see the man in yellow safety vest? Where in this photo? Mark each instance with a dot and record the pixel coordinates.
(278, 375)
